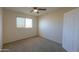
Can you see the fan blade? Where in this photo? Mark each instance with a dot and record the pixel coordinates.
(41, 9)
(35, 8)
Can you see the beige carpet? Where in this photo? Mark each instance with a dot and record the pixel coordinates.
(35, 44)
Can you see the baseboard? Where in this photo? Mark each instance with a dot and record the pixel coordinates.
(21, 39)
(50, 40)
(33, 37)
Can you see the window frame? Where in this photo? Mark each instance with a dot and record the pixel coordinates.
(24, 22)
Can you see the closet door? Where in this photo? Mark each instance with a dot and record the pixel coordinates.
(68, 31)
(71, 31)
(76, 40)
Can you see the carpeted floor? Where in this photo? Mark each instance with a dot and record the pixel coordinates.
(34, 44)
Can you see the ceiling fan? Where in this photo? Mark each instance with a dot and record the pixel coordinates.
(36, 9)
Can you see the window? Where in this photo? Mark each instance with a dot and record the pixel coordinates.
(28, 23)
(20, 22)
(23, 22)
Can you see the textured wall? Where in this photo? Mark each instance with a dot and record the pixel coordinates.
(1, 27)
(11, 33)
(51, 25)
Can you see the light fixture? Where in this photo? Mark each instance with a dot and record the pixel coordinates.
(35, 10)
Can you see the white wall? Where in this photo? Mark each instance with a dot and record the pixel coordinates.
(51, 25)
(1, 28)
(11, 33)
(71, 31)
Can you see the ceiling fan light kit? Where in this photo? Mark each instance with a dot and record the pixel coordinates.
(36, 9)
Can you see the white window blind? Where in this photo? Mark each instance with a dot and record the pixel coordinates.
(23, 22)
(28, 23)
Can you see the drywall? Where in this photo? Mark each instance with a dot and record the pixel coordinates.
(51, 25)
(11, 33)
(1, 28)
(71, 31)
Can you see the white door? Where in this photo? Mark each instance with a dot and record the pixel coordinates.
(68, 31)
(71, 31)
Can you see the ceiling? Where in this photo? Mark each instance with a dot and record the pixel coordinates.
(27, 10)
